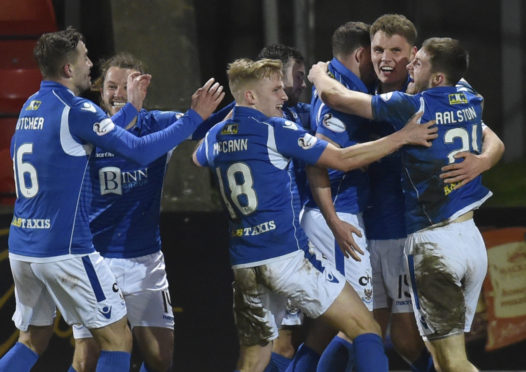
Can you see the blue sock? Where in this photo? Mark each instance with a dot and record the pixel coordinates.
(278, 363)
(369, 354)
(71, 369)
(305, 360)
(424, 363)
(19, 358)
(337, 356)
(112, 361)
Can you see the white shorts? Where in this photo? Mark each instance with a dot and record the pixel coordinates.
(261, 293)
(144, 285)
(293, 316)
(390, 279)
(357, 273)
(447, 265)
(82, 287)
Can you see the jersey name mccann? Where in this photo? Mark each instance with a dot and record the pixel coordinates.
(231, 145)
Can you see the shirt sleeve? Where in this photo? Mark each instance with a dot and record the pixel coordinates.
(294, 142)
(201, 153)
(125, 115)
(215, 118)
(395, 108)
(103, 133)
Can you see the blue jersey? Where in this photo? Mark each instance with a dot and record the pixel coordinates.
(349, 189)
(300, 114)
(126, 197)
(428, 200)
(249, 156)
(51, 150)
(384, 217)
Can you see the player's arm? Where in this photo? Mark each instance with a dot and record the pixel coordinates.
(143, 150)
(473, 165)
(321, 192)
(199, 156)
(363, 154)
(338, 97)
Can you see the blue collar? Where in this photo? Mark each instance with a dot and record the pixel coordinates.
(346, 76)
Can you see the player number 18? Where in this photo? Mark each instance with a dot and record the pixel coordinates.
(242, 193)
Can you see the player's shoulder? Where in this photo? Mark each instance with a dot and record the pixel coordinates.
(84, 105)
(283, 123)
(394, 96)
(302, 107)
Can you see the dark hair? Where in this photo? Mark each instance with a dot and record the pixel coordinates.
(349, 37)
(281, 52)
(395, 24)
(122, 60)
(54, 49)
(448, 56)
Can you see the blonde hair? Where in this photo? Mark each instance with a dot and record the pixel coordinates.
(244, 71)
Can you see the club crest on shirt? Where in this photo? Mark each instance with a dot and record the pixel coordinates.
(230, 129)
(333, 124)
(307, 141)
(457, 98)
(33, 105)
(104, 127)
(86, 106)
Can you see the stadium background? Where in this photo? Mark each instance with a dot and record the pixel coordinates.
(184, 42)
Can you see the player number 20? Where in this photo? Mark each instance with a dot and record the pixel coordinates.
(21, 168)
(463, 134)
(241, 189)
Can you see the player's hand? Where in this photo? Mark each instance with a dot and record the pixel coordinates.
(465, 171)
(317, 70)
(206, 99)
(343, 234)
(137, 87)
(419, 134)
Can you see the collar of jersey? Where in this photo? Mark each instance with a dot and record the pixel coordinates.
(243, 112)
(346, 76)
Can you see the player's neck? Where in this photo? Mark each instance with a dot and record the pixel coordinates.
(386, 88)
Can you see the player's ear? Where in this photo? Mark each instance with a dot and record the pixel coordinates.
(250, 97)
(66, 70)
(359, 54)
(438, 79)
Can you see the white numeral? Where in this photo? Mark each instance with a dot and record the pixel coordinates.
(21, 168)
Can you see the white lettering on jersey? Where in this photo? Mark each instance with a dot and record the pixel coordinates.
(234, 145)
(114, 181)
(307, 141)
(255, 230)
(30, 123)
(333, 124)
(104, 127)
(453, 117)
(31, 223)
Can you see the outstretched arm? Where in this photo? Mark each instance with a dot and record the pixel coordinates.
(473, 165)
(321, 191)
(363, 154)
(337, 96)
